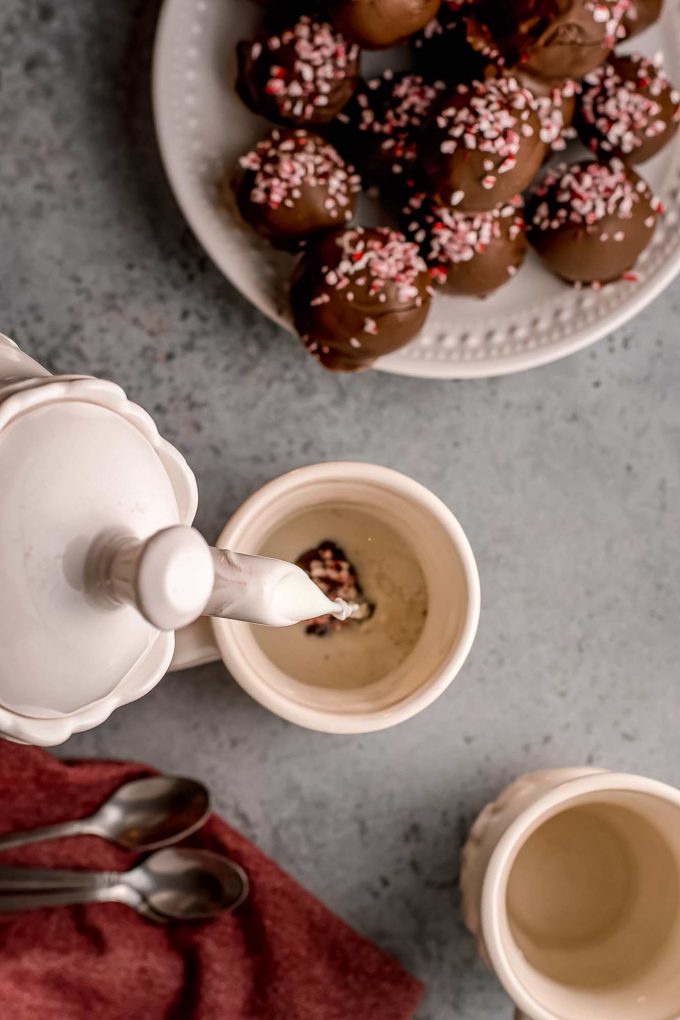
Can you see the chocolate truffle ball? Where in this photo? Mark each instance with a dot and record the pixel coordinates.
(628, 109)
(293, 185)
(552, 39)
(482, 144)
(590, 221)
(640, 15)
(301, 76)
(441, 50)
(471, 254)
(357, 294)
(376, 24)
(380, 126)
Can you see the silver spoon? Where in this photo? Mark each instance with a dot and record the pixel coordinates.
(176, 884)
(141, 815)
(71, 897)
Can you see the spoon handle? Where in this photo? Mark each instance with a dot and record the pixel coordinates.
(59, 878)
(45, 832)
(57, 898)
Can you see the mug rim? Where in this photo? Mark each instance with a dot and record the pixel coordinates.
(325, 720)
(503, 858)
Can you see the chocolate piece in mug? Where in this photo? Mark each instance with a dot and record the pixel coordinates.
(329, 568)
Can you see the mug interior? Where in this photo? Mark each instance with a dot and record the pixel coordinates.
(591, 909)
(425, 534)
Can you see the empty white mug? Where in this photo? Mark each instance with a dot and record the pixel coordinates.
(571, 884)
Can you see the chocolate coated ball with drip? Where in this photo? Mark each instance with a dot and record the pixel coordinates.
(357, 294)
(379, 127)
(591, 221)
(550, 39)
(628, 109)
(471, 254)
(482, 144)
(300, 76)
(293, 185)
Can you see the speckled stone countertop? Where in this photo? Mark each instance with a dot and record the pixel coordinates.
(566, 479)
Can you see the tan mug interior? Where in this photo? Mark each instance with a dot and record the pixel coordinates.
(591, 919)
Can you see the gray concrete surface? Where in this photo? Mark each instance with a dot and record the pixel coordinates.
(567, 480)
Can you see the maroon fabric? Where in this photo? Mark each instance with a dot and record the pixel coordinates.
(281, 956)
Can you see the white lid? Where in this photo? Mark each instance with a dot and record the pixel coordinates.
(77, 460)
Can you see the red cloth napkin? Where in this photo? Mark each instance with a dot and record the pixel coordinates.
(281, 956)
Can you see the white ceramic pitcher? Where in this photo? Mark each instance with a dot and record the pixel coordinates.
(99, 564)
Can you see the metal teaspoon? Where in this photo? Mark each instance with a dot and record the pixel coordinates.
(143, 814)
(176, 884)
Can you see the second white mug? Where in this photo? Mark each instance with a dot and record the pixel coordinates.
(571, 884)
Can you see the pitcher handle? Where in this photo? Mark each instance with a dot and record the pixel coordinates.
(195, 646)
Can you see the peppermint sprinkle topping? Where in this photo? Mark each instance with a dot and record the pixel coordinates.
(585, 194)
(495, 118)
(448, 237)
(626, 111)
(403, 104)
(320, 58)
(440, 24)
(289, 161)
(551, 113)
(610, 13)
(378, 259)
(433, 28)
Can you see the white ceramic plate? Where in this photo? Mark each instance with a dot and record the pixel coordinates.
(203, 126)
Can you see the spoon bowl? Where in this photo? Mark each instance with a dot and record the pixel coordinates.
(149, 813)
(189, 885)
(144, 814)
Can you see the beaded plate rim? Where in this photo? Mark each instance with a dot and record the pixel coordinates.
(490, 340)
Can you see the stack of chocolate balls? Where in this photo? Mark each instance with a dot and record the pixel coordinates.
(456, 149)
